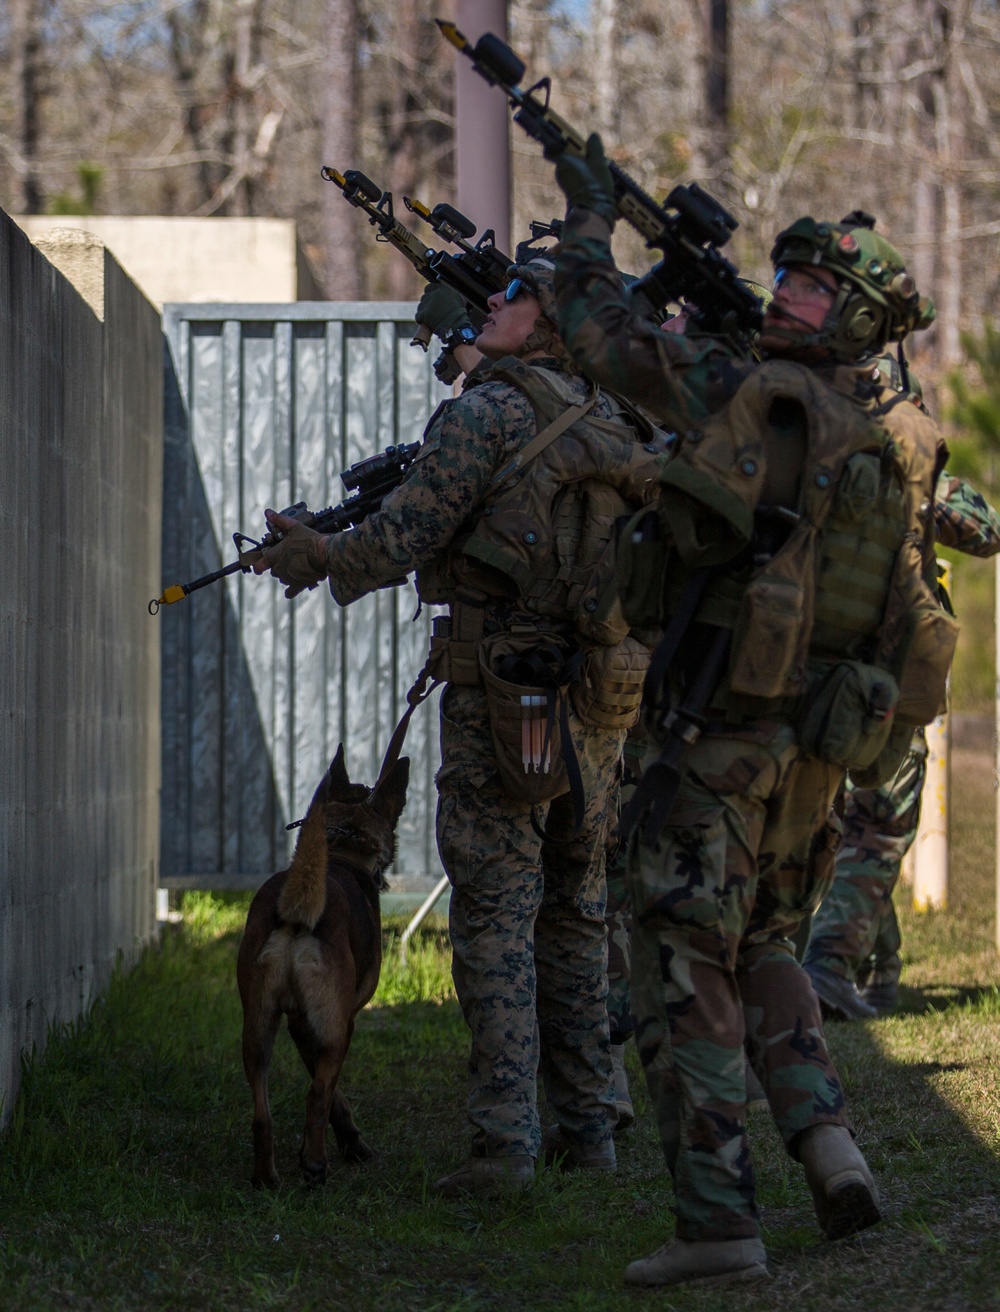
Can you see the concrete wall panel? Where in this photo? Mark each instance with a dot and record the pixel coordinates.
(80, 496)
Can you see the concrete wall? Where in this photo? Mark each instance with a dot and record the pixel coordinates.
(80, 489)
(178, 259)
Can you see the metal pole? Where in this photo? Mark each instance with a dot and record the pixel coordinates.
(422, 914)
(931, 855)
(482, 128)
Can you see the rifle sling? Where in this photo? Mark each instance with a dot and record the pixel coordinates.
(657, 789)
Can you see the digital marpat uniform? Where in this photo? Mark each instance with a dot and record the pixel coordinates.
(527, 916)
(748, 848)
(855, 933)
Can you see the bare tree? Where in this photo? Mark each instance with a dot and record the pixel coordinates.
(27, 83)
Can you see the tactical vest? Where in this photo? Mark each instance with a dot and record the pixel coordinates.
(545, 532)
(853, 578)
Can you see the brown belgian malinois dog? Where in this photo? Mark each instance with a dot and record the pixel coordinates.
(312, 951)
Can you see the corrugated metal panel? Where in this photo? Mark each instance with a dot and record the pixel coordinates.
(266, 405)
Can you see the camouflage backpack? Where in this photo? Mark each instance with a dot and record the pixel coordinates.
(842, 620)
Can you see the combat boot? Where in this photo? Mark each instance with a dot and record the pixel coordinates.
(560, 1151)
(839, 997)
(488, 1177)
(883, 996)
(700, 1262)
(841, 1184)
(623, 1099)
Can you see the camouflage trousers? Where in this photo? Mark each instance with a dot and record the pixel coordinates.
(618, 916)
(747, 851)
(855, 932)
(528, 936)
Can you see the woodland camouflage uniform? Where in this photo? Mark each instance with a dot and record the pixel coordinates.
(855, 933)
(527, 916)
(749, 845)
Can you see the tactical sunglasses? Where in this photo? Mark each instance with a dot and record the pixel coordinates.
(515, 287)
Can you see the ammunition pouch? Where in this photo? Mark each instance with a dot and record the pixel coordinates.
(848, 715)
(455, 641)
(527, 677)
(609, 695)
(918, 639)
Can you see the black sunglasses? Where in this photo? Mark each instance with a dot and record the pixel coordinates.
(514, 289)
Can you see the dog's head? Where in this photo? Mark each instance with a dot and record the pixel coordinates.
(359, 822)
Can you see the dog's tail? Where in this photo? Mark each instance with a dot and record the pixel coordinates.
(304, 895)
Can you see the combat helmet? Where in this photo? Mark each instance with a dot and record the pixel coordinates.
(877, 300)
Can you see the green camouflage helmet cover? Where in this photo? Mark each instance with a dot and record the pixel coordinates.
(878, 301)
(538, 274)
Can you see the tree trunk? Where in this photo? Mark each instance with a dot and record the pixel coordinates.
(404, 283)
(343, 226)
(604, 22)
(26, 55)
(949, 106)
(241, 199)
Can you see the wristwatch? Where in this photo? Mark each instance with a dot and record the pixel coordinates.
(463, 336)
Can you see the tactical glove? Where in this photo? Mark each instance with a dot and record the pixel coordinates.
(442, 309)
(298, 560)
(586, 180)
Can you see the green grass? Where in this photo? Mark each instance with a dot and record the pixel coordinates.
(124, 1172)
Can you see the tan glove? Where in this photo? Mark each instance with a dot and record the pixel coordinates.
(299, 559)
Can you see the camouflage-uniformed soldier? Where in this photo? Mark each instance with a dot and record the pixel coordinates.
(747, 847)
(854, 938)
(443, 312)
(527, 911)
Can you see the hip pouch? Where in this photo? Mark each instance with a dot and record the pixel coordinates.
(610, 693)
(848, 714)
(527, 678)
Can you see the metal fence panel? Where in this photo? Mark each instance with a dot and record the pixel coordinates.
(266, 405)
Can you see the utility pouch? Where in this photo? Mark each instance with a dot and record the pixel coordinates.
(886, 765)
(453, 661)
(641, 570)
(609, 694)
(848, 714)
(920, 636)
(527, 677)
(768, 636)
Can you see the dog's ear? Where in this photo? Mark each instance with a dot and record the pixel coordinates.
(389, 797)
(338, 772)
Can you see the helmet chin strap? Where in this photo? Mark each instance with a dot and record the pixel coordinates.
(543, 337)
(813, 338)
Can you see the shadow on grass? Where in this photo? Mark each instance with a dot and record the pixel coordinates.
(124, 1180)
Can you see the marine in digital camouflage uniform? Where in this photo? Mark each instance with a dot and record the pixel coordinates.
(749, 843)
(527, 915)
(854, 939)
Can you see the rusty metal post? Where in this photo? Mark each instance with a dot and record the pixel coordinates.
(482, 128)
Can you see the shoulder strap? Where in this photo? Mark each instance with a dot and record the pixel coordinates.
(546, 437)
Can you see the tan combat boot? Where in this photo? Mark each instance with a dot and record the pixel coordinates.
(843, 1190)
(623, 1099)
(559, 1150)
(700, 1262)
(488, 1177)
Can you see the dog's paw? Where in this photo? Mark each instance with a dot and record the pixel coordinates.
(356, 1151)
(313, 1173)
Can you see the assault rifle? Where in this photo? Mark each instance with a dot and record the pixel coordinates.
(689, 227)
(453, 226)
(370, 481)
(476, 273)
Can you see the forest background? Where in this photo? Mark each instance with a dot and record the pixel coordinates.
(778, 107)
